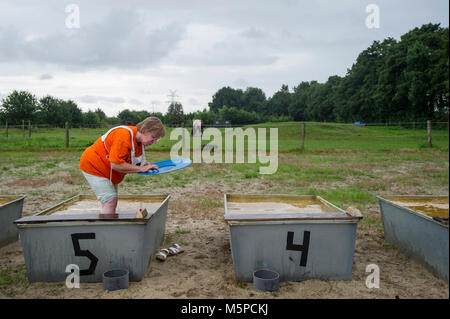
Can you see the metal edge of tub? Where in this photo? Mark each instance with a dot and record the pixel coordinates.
(10, 210)
(436, 264)
(15, 198)
(409, 210)
(155, 232)
(43, 219)
(239, 221)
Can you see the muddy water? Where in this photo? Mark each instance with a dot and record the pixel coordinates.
(5, 200)
(95, 207)
(279, 206)
(431, 207)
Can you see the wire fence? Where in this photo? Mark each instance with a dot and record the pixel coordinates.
(291, 135)
(412, 125)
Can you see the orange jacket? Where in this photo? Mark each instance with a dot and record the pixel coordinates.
(96, 160)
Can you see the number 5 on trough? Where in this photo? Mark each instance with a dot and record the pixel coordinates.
(87, 253)
(303, 248)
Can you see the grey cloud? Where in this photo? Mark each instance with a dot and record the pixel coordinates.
(120, 41)
(45, 76)
(193, 101)
(135, 102)
(254, 33)
(97, 99)
(248, 47)
(240, 83)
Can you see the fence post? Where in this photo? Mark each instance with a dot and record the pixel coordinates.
(6, 129)
(67, 134)
(303, 136)
(429, 133)
(182, 136)
(29, 129)
(23, 128)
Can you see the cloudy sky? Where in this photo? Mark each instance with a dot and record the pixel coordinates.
(119, 54)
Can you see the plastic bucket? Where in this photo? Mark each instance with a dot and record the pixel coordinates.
(115, 279)
(266, 280)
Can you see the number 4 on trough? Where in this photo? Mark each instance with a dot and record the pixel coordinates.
(303, 248)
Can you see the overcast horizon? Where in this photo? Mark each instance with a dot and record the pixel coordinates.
(132, 54)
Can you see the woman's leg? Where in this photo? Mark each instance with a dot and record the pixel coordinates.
(110, 206)
(105, 191)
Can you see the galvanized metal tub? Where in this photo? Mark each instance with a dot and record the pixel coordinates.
(10, 209)
(74, 232)
(300, 237)
(414, 224)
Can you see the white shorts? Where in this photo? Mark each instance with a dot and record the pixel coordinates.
(102, 187)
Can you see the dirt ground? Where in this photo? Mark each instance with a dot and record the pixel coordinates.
(205, 269)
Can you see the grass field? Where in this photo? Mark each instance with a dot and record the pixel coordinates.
(334, 154)
(346, 165)
(319, 136)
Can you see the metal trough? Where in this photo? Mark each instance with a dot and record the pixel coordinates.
(10, 209)
(300, 237)
(75, 233)
(418, 226)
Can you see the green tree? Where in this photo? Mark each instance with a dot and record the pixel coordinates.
(128, 116)
(141, 115)
(226, 96)
(237, 116)
(387, 97)
(101, 115)
(207, 116)
(175, 114)
(73, 113)
(413, 82)
(315, 102)
(113, 121)
(299, 102)
(90, 118)
(49, 111)
(279, 103)
(358, 88)
(253, 100)
(18, 106)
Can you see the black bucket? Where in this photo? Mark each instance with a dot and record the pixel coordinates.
(266, 280)
(115, 279)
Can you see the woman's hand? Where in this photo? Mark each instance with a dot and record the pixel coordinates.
(148, 167)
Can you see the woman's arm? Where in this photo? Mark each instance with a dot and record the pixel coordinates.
(129, 168)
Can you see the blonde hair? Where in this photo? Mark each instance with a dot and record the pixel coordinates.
(152, 125)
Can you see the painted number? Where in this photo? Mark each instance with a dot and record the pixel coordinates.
(86, 253)
(303, 248)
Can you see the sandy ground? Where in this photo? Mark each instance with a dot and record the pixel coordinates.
(205, 269)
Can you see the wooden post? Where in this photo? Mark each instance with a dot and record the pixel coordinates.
(23, 128)
(6, 129)
(429, 133)
(303, 136)
(67, 134)
(29, 129)
(182, 136)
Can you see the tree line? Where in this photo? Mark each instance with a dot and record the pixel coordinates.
(390, 81)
